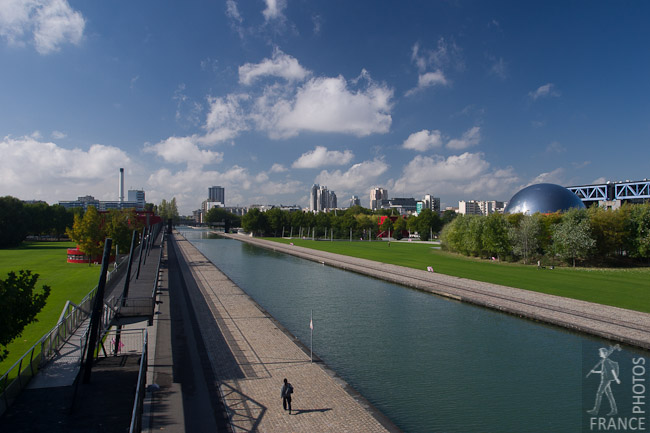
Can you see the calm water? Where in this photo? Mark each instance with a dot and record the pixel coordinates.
(428, 363)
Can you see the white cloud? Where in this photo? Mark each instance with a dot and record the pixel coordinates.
(326, 105)
(359, 177)
(470, 138)
(423, 140)
(546, 91)
(184, 150)
(58, 135)
(555, 147)
(54, 171)
(499, 68)
(555, 176)
(274, 9)
(226, 118)
(232, 11)
(320, 157)
(279, 65)
(278, 168)
(459, 175)
(429, 79)
(50, 23)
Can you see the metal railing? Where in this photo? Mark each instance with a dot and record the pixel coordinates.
(18, 375)
(138, 403)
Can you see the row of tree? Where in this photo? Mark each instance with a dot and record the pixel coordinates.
(356, 222)
(19, 220)
(168, 210)
(595, 235)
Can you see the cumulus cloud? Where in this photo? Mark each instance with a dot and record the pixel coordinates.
(47, 24)
(226, 118)
(548, 90)
(52, 167)
(320, 157)
(278, 168)
(184, 150)
(58, 135)
(359, 177)
(446, 55)
(470, 138)
(279, 65)
(423, 140)
(327, 105)
(273, 10)
(468, 173)
(555, 176)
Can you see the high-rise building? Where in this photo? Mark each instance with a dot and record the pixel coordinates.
(321, 199)
(313, 198)
(431, 202)
(354, 201)
(217, 193)
(376, 196)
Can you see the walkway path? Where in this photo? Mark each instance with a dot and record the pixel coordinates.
(250, 354)
(618, 324)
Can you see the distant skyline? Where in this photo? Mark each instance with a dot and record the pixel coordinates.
(465, 100)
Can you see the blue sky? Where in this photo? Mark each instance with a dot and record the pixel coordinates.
(460, 99)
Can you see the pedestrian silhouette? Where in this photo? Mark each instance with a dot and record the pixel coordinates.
(287, 390)
(608, 373)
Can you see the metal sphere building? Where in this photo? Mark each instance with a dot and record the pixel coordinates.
(543, 198)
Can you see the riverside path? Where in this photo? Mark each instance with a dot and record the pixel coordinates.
(242, 356)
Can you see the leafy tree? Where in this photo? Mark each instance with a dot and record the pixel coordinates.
(277, 219)
(609, 229)
(638, 242)
(118, 227)
(495, 235)
(428, 222)
(448, 216)
(13, 224)
(387, 226)
(19, 305)
(399, 226)
(217, 214)
(572, 237)
(88, 232)
(255, 222)
(524, 238)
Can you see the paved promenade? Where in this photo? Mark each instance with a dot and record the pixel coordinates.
(250, 355)
(618, 324)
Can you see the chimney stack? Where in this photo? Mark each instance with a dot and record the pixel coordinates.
(121, 185)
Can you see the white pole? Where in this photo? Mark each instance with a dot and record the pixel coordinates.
(311, 327)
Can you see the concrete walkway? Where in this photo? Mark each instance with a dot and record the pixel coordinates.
(250, 354)
(618, 324)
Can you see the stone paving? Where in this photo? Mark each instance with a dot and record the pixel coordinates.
(618, 324)
(251, 355)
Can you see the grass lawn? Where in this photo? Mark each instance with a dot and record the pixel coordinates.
(626, 288)
(68, 282)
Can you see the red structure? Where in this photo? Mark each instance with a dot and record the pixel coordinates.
(384, 233)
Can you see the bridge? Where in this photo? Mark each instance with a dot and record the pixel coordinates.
(631, 191)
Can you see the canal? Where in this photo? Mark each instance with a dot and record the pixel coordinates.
(429, 363)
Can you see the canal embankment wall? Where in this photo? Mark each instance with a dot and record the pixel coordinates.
(613, 323)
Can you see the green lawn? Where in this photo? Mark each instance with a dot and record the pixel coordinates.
(626, 288)
(68, 282)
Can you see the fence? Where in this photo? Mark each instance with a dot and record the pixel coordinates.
(16, 378)
(138, 403)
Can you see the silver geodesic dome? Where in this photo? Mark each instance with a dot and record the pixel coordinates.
(543, 198)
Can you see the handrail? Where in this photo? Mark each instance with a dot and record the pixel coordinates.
(48, 345)
(138, 404)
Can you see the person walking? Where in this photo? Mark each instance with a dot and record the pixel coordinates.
(608, 374)
(287, 390)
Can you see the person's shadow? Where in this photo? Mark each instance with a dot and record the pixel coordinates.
(301, 411)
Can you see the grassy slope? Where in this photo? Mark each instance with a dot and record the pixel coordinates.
(68, 282)
(626, 288)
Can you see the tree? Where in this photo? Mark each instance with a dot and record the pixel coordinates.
(609, 229)
(117, 226)
(255, 222)
(13, 224)
(88, 232)
(524, 238)
(217, 214)
(277, 219)
(428, 222)
(572, 237)
(19, 305)
(495, 235)
(399, 226)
